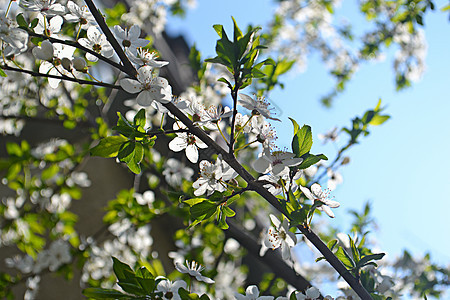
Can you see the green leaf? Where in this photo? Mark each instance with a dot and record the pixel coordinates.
(302, 141)
(445, 8)
(122, 270)
(99, 293)
(131, 288)
(2, 73)
(345, 258)
(203, 210)
(228, 211)
(355, 251)
(109, 146)
(366, 259)
(368, 116)
(219, 60)
(186, 296)
(193, 201)
(132, 153)
(299, 216)
(140, 118)
(34, 23)
(237, 32)
(296, 127)
(50, 172)
(378, 120)
(331, 244)
(311, 159)
(147, 284)
(21, 21)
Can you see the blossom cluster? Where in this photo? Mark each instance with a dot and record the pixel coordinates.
(57, 58)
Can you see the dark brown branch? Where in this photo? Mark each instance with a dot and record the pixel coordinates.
(271, 259)
(127, 66)
(62, 77)
(259, 188)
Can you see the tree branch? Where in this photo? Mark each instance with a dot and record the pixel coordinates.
(127, 66)
(62, 77)
(259, 188)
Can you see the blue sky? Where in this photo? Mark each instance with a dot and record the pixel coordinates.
(402, 167)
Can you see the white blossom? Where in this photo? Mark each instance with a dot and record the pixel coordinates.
(45, 7)
(277, 162)
(48, 27)
(279, 235)
(258, 106)
(148, 86)
(334, 179)
(316, 194)
(175, 171)
(170, 289)
(212, 177)
(193, 270)
(129, 38)
(311, 293)
(15, 38)
(80, 15)
(144, 56)
(188, 142)
(252, 293)
(97, 42)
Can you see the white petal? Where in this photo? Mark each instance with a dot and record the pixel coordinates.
(332, 204)
(285, 251)
(261, 164)
(307, 192)
(134, 32)
(312, 293)
(327, 210)
(91, 57)
(130, 85)
(275, 221)
(177, 144)
(316, 189)
(145, 98)
(192, 153)
(252, 290)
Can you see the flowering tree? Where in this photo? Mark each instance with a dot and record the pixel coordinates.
(67, 65)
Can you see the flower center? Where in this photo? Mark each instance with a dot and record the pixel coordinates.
(126, 43)
(97, 48)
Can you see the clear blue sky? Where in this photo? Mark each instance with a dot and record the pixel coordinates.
(402, 167)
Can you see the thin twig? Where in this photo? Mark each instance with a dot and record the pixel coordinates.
(63, 77)
(77, 45)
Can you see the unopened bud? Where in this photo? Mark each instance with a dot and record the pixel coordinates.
(345, 161)
(67, 64)
(79, 64)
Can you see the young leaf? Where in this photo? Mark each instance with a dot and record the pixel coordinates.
(302, 141)
(109, 146)
(366, 259)
(132, 153)
(345, 258)
(140, 118)
(203, 210)
(120, 269)
(311, 159)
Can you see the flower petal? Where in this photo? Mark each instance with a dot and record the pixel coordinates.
(130, 85)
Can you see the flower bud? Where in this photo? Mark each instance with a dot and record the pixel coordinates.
(67, 64)
(79, 64)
